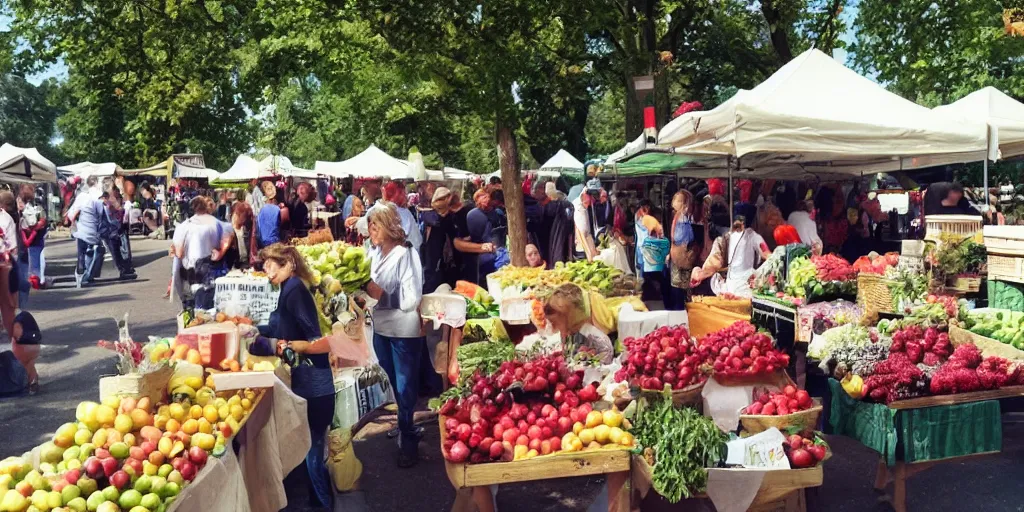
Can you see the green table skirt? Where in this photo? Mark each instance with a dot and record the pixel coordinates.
(918, 435)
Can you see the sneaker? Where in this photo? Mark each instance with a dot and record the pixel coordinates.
(127, 276)
(33, 388)
(393, 433)
(78, 279)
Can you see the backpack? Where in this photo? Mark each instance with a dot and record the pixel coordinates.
(13, 377)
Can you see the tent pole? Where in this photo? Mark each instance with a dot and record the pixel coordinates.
(731, 207)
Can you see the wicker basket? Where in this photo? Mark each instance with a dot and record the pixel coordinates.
(965, 284)
(690, 395)
(873, 293)
(1006, 268)
(805, 421)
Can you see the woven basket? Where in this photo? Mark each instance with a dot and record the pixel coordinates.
(965, 226)
(690, 395)
(805, 421)
(314, 237)
(873, 293)
(966, 284)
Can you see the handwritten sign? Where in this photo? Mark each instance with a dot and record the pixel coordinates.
(251, 296)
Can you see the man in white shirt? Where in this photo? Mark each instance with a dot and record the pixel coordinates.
(806, 227)
(584, 235)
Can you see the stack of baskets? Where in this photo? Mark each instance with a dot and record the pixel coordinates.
(873, 294)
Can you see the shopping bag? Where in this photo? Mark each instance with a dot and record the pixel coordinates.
(344, 466)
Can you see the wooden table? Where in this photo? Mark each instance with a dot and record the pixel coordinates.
(898, 474)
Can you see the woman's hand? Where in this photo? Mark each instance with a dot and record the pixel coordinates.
(281, 345)
(373, 290)
(487, 247)
(299, 346)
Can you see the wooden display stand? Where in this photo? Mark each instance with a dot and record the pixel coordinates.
(784, 490)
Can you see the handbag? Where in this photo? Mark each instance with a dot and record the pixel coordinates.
(681, 255)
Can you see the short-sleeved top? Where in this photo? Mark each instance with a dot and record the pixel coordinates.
(200, 235)
(9, 235)
(805, 226)
(478, 228)
(90, 214)
(268, 220)
(296, 319)
(400, 276)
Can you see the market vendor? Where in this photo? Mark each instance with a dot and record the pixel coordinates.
(533, 257)
(739, 251)
(295, 325)
(569, 314)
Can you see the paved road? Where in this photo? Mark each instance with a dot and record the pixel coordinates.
(73, 319)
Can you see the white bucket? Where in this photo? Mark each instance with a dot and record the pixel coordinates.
(346, 399)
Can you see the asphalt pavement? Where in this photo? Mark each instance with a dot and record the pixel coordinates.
(70, 365)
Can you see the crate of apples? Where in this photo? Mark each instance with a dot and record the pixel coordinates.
(805, 452)
(788, 408)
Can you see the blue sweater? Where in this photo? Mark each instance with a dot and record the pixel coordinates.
(296, 319)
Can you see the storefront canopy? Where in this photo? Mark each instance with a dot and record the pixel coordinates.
(282, 165)
(86, 169)
(25, 165)
(815, 116)
(247, 168)
(371, 163)
(1003, 114)
(562, 161)
(183, 166)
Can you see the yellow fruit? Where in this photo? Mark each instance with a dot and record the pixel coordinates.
(601, 433)
(586, 436)
(204, 441)
(210, 413)
(190, 426)
(205, 426)
(237, 412)
(594, 418)
(129, 439)
(105, 415)
(195, 412)
(613, 418)
(100, 437)
(160, 421)
(577, 445)
(194, 382)
(594, 446)
(164, 445)
(250, 394)
(162, 410)
(615, 435)
(123, 423)
(140, 418)
(209, 382)
(177, 412)
(531, 454)
(204, 396)
(224, 412)
(246, 404)
(65, 435)
(219, 402)
(194, 358)
(627, 439)
(112, 401)
(577, 428)
(86, 413)
(172, 426)
(567, 441)
(235, 400)
(519, 452)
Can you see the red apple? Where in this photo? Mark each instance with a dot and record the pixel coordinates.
(136, 452)
(148, 447)
(24, 488)
(188, 471)
(119, 479)
(94, 468)
(177, 462)
(135, 464)
(109, 466)
(198, 455)
(57, 486)
(72, 476)
(102, 453)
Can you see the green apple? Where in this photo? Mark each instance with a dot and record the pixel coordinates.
(39, 499)
(85, 451)
(69, 493)
(78, 505)
(176, 477)
(87, 485)
(170, 490)
(111, 493)
(151, 501)
(130, 498)
(94, 501)
(157, 483)
(143, 484)
(165, 470)
(54, 499)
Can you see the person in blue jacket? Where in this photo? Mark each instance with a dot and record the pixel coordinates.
(295, 325)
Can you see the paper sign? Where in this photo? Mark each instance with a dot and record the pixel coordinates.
(251, 296)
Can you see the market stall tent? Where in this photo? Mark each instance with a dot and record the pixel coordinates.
(25, 165)
(564, 161)
(815, 116)
(993, 107)
(282, 165)
(86, 169)
(182, 166)
(245, 169)
(371, 163)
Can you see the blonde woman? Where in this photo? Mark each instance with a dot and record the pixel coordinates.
(396, 280)
(569, 313)
(295, 325)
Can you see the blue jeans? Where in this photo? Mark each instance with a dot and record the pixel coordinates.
(400, 358)
(90, 260)
(319, 413)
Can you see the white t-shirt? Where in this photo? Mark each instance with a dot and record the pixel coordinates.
(411, 228)
(400, 275)
(582, 222)
(200, 235)
(9, 240)
(805, 227)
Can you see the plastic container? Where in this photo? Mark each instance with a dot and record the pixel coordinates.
(654, 251)
(215, 342)
(346, 399)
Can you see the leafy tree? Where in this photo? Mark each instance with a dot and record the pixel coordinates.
(28, 113)
(937, 52)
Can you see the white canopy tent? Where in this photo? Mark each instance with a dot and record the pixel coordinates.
(371, 163)
(563, 160)
(245, 168)
(86, 169)
(815, 116)
(24, 165)
(1003, 115)
(283, 165)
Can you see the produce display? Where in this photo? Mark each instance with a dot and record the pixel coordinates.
(338, 270)
(593, 275)
(665, 357)
(803, 452)
(779, 403)
(876, 264)
(906, 286)
(126, 454)
(526, 409)
(1004, 326)
(1006, 295)
(679, 444)
(820, 276)
(740, 350)
(479, 303)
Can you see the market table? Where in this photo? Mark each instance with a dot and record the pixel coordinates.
(915, 434)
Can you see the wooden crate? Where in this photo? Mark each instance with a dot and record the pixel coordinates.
(1006, 268)
(152, 384)
(965, 226)
(988, 346)
(556, 465)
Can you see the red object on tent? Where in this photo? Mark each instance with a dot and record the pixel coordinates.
(716, 187)
(687, 106)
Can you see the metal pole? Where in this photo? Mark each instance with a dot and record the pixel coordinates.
(984, 182)
(731, 206)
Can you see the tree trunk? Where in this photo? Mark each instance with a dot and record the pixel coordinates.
(778, 31)
(508, 159)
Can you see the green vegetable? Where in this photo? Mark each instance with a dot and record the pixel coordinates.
(679, 444)
(485, 356)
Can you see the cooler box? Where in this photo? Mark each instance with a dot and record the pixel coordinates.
(215, 342)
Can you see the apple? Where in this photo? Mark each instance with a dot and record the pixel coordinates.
(165, 469)
(24, 488)
(135, 464)
(109, 466)
(72, 476)
(59, 485)
(188, 471)
(108, 506)
(94, 468)
(157, 458)
(111, 493)
(136, 452)
(175, 477)
(177, 462)
(102, 453)
(94, 500)
(148, 447)
(198, 456)
(87, 485)
(119, 479)
(69, 493)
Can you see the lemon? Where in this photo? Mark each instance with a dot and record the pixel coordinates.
(594, 418)
(615, 435)
(586, 436)
(601, 433)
